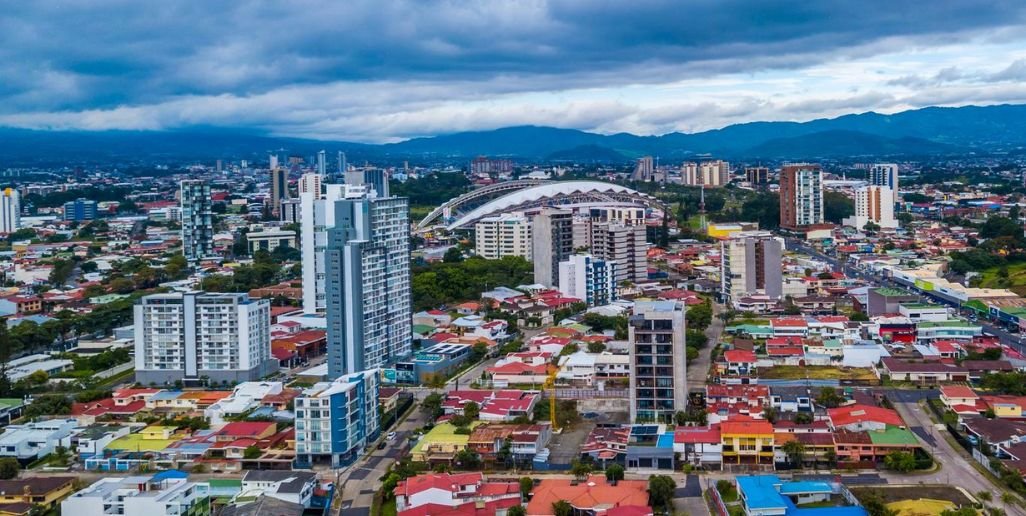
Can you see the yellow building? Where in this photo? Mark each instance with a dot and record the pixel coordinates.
(725, 230)
(45, 491)
(747, 442)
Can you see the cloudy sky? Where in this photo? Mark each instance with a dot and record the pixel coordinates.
(386, 70)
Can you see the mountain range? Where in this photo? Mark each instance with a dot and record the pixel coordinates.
(932, 131)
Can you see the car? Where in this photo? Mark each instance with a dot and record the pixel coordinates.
(391, 435)
(382, 444)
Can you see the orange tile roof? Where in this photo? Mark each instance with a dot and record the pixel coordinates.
(587, 495)
(754, 427)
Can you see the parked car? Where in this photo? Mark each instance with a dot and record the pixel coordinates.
(390, 436)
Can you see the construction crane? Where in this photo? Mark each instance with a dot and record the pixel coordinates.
(550, 384)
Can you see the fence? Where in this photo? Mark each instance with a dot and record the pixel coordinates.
(584, 394)
(716, 501)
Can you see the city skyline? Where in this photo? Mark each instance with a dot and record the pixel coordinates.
(645, 69)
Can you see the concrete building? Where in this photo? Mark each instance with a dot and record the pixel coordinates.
(279, 188)
(552, 241)
(336, 420)
(10, 211)
(367, 282)
(31, 441)
(291, 211)
(503, 235)
(873, 204)
(750, 263)
(644, 169)
(801, 196)
(311, 182)
(168, 493)
(625, 245)
(707, 173)
(658, 385)
(270, 239)
(373, 178)
(589, 279)
(757, 176)
(884, 174)
(197, 220)
(196, 336)
(80, 209)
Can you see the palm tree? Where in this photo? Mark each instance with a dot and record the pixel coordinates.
(984, 496)
(795, 452)
(562, 508)
(1008, 498)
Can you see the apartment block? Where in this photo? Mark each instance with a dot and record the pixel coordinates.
(801, 196)
(658, 385)
(336, 420)
(504, 235)
(197, 220)
(552, 241)
(589, 279)
(751, 264)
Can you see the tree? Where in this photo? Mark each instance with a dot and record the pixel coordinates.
(859, 317)
(390, 483)
(252, 452)
(596, 347)
(468, 459)
(795, 452)
(699, 316)
(829, 398)
(526, 485)
(900, 461)
(453, 255)
(837, 207)
(176, 265)
(516, 510)
(471, 409)
(432, 404)
(660, 492)
(874, 504)
(696, 338)
(9, 468)
(580, 469)
(614, 472)
(803, 418)
(770, 414)
(562, 508)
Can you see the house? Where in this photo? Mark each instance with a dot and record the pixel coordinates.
(596, 496)
(791, 399)
(817, 446)
(502, 405)
(768, 495)
(747, 442)
(20, 305)
(92, 440)
(959, 398)
(923, 372)
(1004, 406)
(857, 418)
(518, 373)
(244, 397)
(34, 440)
(978, 368)
(607, 444)
(289, 486)
(700, 446)
(440, 444)
(873, 446)
(451, 490)
(166, 493)
(738, 362)
(525, 441)
(43, 491)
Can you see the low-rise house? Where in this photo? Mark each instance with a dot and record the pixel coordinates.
(768, 495)
(816, 446)
(923, 372)
(978, 368)
(518, 373)
(857, 418)
(699, 445)
(791, 399)
(244, 397)
(738, 362)
(451, 490)
(92, 440)
(290, 486)
(996, 433)
(596, 496)
(607, 444)
(168, 493)
(1004, 406)
(34, 440)
(960, 399)
(747, 442)
(42, 491)
(873, 446)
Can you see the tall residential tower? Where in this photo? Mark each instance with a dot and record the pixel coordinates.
(197, 220)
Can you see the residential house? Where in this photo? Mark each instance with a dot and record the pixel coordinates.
(923, 372)
(168, 493)
(37, 439)
(748, 442)
(28, 492)
(290, 486)
(857, 418)
(960, 399)
(596, 496)
(451, 490)
(699, 445)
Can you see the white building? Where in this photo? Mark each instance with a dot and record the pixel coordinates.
(508, 234)
(291, 486)
(10, 211)
(658, 384)
(624, 244)
(552, 241)
(708, 173)
(31, 441)
(589, 279)
(217, 338)
(245, 396)
(155, 495)
(367, 281)
(336, 420)
(310, 182)
(884, 174)
(751, 264)
(873, 204)
(270, 239)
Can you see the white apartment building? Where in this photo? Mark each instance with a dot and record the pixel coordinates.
(750, 264)
(625, 245)
(10, 211)
(310, 182)
(195, 336)
(589, 279)
(707, 173)
(873, 204)
(270, 239)
(884, 174)
(147, 495)
(508, 234)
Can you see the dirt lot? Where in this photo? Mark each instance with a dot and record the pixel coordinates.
(899, 493)
(816, 373)
(566, 446)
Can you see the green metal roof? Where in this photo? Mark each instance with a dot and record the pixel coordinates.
(891, 292)
(950, 323)
(893, 435)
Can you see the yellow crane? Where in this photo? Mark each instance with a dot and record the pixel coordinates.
(550, 384)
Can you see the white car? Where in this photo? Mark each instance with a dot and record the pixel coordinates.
(390, 436)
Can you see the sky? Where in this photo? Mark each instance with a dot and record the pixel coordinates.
(386, 70)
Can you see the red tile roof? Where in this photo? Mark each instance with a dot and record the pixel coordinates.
(443, 481)
(739, 356)
(958, 391)
(852, 414)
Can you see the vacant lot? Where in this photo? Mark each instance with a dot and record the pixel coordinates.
(899, 493)
(1015, 280)
(816, 373)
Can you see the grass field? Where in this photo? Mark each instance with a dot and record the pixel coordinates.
(1016, 280)
(897, 494)
(815, 373)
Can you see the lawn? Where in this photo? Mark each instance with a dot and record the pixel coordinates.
(897, 494)
(1016, 280)
(787, 372)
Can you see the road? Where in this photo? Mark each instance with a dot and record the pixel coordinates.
(362, 479)
(698, 370)
(954, 462)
